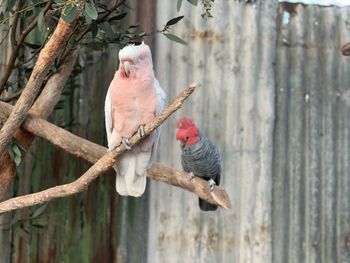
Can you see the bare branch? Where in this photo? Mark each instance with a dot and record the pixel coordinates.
(58, 136)
(15, 22)
(42, 107)
(46, 57)
(196, 185)
(92, 152)
(10, 64)
(107, 160)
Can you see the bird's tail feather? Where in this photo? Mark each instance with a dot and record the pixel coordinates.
(137, 188)
(120, 183)
(205, 206)
(135, 183)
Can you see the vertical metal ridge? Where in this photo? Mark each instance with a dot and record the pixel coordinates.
(232, 60)
(313, 117)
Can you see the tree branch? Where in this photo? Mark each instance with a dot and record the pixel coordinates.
(16, 45)
(42, 107)
(197, 185)
(46, 57)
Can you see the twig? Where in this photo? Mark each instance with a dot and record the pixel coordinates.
(102, 165)
(15, 22)
(46, 57)
(99, 19)
(10, 64)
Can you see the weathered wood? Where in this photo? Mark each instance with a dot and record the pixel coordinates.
(58, 136)
(196, 185)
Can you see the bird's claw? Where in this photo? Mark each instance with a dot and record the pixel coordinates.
(126, 143)
(141, 131)
(190, 176)
(211, 184)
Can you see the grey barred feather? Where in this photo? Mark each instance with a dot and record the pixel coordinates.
(203, 160)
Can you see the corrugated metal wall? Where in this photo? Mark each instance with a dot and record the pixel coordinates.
(232, 57)
(311, 168)
(275, 98)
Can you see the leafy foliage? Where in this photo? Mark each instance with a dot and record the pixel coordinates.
(175, 38)
(207, 4)
(15, 153)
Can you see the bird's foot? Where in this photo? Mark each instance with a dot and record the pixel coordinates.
(141, 131)
(190, 176)
(211, 184)
(126, 143)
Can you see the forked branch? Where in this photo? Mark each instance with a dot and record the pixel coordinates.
(156, 171)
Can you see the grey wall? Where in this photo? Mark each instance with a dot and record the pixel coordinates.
(276, 99)
(232, 57)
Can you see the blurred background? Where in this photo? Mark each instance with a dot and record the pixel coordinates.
(274, 96)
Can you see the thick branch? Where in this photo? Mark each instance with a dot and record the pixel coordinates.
(46, 57)
(56, 135)
(42, 107)
(196, 185)
(103, 164)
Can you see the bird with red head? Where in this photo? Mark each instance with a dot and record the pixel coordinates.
(200, 156)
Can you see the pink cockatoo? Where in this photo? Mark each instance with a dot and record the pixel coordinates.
(133, 99)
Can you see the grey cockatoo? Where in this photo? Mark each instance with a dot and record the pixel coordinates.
(199, 156)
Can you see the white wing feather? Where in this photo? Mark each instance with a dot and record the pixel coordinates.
(108, 117)
(120, 180)
(161, 97)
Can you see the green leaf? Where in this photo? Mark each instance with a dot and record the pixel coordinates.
(39, 211)
(69, 13)
(17, 160)
(10, 151)
(87, 18)
(193, 2)
(16, 149)
(41, 22)
(174, 21)
(15, 219)
(60, 2)
(175, 38)
(15, 153)
(21, 232)
(106, 27)
(90, 10)
(178, 5)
